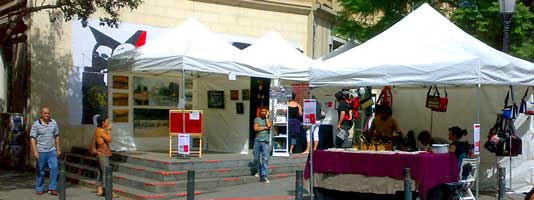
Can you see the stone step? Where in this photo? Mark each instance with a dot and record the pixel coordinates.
(200, 184)
(91, 170)
(129, 192)
(172, 164)
(83, 170)
(162, 175)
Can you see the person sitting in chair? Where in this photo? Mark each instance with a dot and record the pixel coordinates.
(425, 141)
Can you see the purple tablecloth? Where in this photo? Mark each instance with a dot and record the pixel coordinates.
(427, 169)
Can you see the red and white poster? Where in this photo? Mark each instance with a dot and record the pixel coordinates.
(310, 106)
(476, 139)
(184, 144)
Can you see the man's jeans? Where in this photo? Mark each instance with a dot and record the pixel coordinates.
(263, 150)
(50, 159)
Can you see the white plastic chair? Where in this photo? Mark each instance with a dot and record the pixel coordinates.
(462, 189)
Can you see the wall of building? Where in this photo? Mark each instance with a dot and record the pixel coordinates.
(51, 45)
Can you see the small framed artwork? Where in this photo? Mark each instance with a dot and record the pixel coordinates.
(120, 82)
(245, 94)
(239, 108)
(120, 115)
(120, 99)
(216, 99)
(234, 94)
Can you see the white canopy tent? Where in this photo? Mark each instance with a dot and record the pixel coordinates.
(425, 48)
(345, 47)
(274, 54)
(193, 47)
(190, 47)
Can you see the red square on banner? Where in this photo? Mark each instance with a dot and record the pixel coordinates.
(312, 118)
(186, 148)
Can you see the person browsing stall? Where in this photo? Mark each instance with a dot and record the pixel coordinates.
(344, 121)
(262, 150)
(294, 121)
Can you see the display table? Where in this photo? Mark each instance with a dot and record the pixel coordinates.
(428, 170)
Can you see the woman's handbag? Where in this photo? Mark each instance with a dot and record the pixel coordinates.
(509, 144)
(443, 101)
(92, 147)
(366, 103)
(493, 140)
(386, 97)
(509, 111)
(526, 107)
(432, 100)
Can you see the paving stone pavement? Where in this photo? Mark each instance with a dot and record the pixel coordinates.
(21, 186)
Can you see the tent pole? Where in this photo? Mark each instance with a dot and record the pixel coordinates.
(478, 156)
(431, 121)
(311, 152)
(183, 106)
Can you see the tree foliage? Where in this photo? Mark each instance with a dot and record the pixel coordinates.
(363, 19)
(68, 10)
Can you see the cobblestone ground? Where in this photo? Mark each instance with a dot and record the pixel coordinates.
(21, 186)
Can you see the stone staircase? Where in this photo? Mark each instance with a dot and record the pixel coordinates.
(147, 175)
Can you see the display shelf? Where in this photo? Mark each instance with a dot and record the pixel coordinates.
(279, 99)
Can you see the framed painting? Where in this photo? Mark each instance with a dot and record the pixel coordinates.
(151, 122)
(216, 99)
(120, 115)
(120, 82)
(153, 91)
(239, 108)
(234, 95)
(120, 99)
(245, 94)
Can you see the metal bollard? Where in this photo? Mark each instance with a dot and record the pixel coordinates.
(62, 180)
(190, 184)
(502, 183)
(108, 187)
(299, 185)
(407, 184)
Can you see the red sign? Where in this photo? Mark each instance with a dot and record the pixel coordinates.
(191, 125)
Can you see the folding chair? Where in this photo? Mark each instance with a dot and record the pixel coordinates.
(462, 189)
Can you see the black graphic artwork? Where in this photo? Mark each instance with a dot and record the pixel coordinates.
(94, 88)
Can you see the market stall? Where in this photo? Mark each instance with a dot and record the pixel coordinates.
(190, 61)
(274, 54)
(426, 49)
(202, 63)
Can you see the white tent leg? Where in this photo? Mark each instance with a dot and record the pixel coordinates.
(478, 156)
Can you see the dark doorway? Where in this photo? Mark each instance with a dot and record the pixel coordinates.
(259, 96)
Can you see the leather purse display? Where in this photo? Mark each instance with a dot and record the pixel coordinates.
(432, 100)
(385, 97)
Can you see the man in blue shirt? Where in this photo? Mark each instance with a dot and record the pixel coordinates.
(44, 138)
(262, 127)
